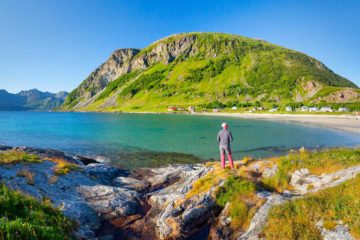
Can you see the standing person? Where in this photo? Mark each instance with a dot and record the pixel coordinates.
(224, 138)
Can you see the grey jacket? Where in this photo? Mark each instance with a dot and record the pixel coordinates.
(224, 137)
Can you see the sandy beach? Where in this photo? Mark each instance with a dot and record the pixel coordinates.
(347, 123)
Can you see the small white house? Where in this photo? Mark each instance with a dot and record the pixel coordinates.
(234, 108)
(215, 110)
(304, 109)
(313, 109)
(191, 109)
(288, 109)
(273, 110)
(326, 109)
(343, 109)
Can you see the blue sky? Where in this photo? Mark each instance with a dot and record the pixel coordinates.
(54, 45)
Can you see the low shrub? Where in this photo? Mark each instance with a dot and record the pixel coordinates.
(23, 217)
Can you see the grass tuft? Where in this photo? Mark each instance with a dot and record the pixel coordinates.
(63, 167)
(17, 156)
(28, 175)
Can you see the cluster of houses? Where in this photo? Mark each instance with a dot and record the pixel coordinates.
(287, 109)
(316, 109)
(311, 109)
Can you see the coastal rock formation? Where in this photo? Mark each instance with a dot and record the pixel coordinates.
(81, 194)
(95, 193)
(160, 203)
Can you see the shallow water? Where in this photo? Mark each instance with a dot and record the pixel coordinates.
(137, 140)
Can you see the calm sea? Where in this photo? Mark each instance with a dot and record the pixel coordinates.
(138, 140)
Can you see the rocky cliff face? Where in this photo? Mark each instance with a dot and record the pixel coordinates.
(117, 65)
(202, 68)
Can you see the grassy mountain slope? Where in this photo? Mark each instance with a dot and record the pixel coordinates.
(212, 69)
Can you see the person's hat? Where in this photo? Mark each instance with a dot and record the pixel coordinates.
(224, 125)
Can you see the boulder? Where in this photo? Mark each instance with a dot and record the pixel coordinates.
(111, 202)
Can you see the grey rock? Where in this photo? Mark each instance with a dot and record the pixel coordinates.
(131, 183)
(307, 183)
(110, 202)
(104, 173)
(340, 232)
(81, 197)
(270, 172)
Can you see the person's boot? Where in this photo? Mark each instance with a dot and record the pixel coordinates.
(231, 161)
(222, 156)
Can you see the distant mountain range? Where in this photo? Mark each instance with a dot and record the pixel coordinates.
(208, 70)
(30, 100)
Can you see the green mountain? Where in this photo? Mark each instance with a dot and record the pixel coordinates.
(208, 70)
(30, 100)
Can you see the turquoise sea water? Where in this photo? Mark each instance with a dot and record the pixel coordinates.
(137, 140)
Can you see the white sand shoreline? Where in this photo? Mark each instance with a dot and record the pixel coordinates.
(346, 123)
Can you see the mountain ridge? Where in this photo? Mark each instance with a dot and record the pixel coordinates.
(32, 99)
(214, 67)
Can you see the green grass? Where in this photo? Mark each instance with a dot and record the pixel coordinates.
(318, 162)
(296, 219)
(23, 217)
(17, 156)
(234, 186)
(222, 68)
(238, 192)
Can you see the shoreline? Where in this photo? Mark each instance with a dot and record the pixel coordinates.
(345, 123)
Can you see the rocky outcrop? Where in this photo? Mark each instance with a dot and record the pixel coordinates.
(156, 203)
(96, 193)
(342, 96)
(303, 182)
(83, 195)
